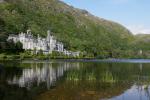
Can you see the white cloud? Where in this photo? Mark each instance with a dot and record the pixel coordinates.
(136, 29)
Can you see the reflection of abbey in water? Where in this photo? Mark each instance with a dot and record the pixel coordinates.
(47, 45)
(48, 73)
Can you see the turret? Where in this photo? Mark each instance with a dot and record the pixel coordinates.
(28, 31)
(48, 33)
(38, 36)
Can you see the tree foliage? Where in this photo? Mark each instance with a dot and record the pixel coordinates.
(77, 29)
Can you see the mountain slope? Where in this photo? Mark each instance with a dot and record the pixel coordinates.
(142, 41)
(76, 28)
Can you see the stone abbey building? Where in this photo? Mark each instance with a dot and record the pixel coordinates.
(47, 45)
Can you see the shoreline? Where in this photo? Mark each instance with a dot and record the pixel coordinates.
(108, 60)
(36, 58)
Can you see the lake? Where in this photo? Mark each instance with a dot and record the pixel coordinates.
(75, 80)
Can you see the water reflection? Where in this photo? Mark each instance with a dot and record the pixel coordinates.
(61, 80)
(134, 93)
(42, 72)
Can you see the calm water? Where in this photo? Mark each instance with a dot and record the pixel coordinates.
(72, 80)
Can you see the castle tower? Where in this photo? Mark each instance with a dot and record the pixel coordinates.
(28, 31)
(48, 35)
(38, 35)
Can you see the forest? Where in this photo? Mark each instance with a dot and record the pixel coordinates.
(76, 28)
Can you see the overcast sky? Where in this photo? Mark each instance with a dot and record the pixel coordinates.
(134, 14)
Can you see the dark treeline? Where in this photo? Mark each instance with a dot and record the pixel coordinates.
(10, 47)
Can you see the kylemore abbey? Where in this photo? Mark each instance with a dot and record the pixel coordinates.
(47, 45)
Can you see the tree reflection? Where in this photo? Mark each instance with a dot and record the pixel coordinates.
(75, 80)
